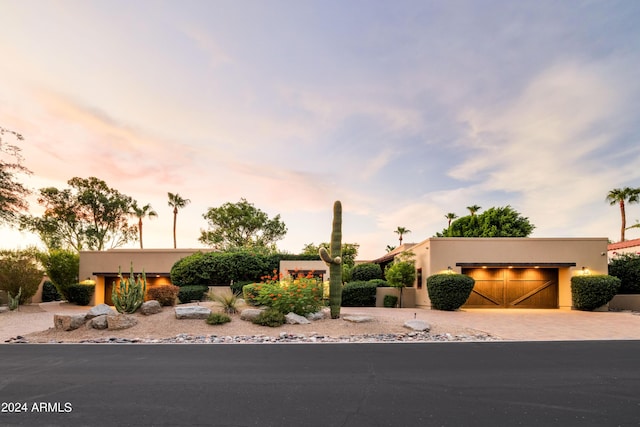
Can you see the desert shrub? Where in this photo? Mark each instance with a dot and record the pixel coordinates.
(449, 291)
(301, 296)
(218, 319)
(49, 292)
(62, 268)
(166, 294)
(191, 293)
(367, 271)
(390, 301)
(592, 291)
(227, 301)
(80, 294)
(250, 293)
(626, 267)
(270, 317)
(359, 294)
(20, 270)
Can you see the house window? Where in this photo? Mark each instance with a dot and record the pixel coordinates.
(419, 277)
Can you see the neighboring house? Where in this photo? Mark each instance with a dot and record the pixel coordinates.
(102, 267)
(626, 247)
(292, 268)
(388, 258)
(510, 272)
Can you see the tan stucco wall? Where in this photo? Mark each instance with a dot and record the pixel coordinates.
(292, 265)
(435, 255)
(153, 261)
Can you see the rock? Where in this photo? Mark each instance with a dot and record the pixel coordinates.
(99, 322)
(325, 313)
(150, 307)
(250, 313)
(192, 312)
(417, 325)
(4, 308)
(296, 319)
(68, 322)
(358, 319)
(100, 310)
(120, 321)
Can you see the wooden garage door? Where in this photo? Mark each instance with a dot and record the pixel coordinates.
(513, 288)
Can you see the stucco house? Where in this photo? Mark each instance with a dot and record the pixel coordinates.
(621, 248)
(510, 272)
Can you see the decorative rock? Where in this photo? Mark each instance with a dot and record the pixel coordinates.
(417, 325)
(150, 307)
(4, 308)
(67, 322)
(325, 313)
(99, 322)
(100, 310)
(121, 321)
(250, 313)
(192, 312)
(358, 319)
(296, 319)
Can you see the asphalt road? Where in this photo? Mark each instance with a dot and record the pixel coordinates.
(448, 384)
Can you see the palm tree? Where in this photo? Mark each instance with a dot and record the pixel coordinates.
(140, 213)
(176, 202)
(401, 231)
(473, 209)
(450, 217)
(620, 196)
(390, 248)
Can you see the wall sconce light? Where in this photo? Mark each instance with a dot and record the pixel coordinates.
(450, 270)
(585, 271)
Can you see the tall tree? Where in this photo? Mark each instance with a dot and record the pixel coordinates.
(142, 212)
(619, 196)
(89, 215)
(241, 225)
(13, 194)
(450, 217)
(494, 222)
(401, 231)
(177, 203)
(473, 209)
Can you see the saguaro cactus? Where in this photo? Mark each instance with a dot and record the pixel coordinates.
(128, 295)
(334, 261)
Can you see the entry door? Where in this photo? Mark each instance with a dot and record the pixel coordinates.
(513, 288)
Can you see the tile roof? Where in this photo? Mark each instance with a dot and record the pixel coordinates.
(622, 245)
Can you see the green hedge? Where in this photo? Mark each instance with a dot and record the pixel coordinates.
(626, 267)
(591, 292)
(191, 293)
(365, 272)
(361, 293)
(390, 301)
(80, 294)
(449, 291)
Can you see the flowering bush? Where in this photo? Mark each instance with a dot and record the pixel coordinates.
(301, 295)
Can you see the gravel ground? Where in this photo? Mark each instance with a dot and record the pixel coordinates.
(164, 327)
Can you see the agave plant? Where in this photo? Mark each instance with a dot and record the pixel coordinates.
(228, 301)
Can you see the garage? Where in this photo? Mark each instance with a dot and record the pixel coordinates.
(513, 287)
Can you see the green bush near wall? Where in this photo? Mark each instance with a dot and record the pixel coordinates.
(191, 293)
(366, 271)
(590, 292)
(80, 294)
(360, 294)
(49, 292)
(449, 291)
(626, 267)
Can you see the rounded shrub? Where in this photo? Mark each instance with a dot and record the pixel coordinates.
(626, 267)
(590, 292)
(80, 294)
(390, 301)
(218, 319)
(365, 272)
(166, 294)
(359, 294)
(191, 293)
(270, 317)
(449, 291)
(49, 292)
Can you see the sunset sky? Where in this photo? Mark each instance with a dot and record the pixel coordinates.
(403, 110)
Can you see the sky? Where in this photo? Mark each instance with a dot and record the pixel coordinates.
(402, 110)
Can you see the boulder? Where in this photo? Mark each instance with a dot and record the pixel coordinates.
(250, 313)
(150, 307)
(296, 319)
(324, 313)
(4, 308)
(100, 310)
(192, 312)
(68, 322)
(358, 319)
(99, 322)
(121, 321)
(417, 325)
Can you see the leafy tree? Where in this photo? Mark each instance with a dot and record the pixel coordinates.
(349, 252)
(241, 225)
(89, 215)
(20, 269)
(62, 268)
(626, 267)
(401, 272)
(619, 196)
(473, 209)
(494, 222)
(13, 194)
(177, 203)
(141, 213)
(401, 231)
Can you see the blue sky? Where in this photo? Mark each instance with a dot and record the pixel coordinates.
(402, 110)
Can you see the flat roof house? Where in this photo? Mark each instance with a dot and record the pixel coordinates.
(510, 272)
